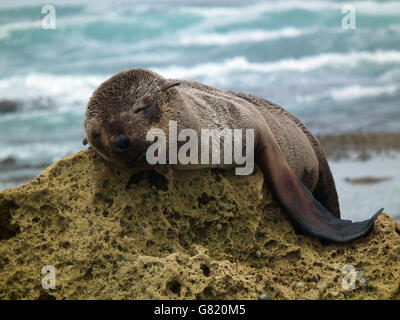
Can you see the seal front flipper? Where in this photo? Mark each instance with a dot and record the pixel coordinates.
(302, 208)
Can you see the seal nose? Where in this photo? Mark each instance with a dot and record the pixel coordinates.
(121, 141)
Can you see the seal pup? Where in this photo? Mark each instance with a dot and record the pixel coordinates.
(125, 107)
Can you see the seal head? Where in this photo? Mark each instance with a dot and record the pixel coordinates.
(123, 109)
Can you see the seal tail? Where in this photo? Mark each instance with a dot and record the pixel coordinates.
(299, 203)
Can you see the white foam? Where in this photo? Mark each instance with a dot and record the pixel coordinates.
(394, 27)
(352, 93)
(390, 76)
(214, 15)
(68, 21)
(375, 8)
(240, 36)
(241, 64)
(6, 29)
(66, 90)
(368, 7)
(93, 4)
(40, 151)
(357, 92)
(103, 11)
(257, 9)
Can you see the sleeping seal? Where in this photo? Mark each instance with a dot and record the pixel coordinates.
(124, 108)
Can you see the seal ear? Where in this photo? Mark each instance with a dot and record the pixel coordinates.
(169, 84)
(299, 203)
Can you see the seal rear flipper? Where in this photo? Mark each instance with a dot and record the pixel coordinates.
(302, 208)
(325, 225)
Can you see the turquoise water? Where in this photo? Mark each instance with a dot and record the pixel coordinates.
(295, 53)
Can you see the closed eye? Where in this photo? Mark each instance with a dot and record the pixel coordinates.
(153, 105)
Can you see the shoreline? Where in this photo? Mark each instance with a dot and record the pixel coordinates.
(360, 146)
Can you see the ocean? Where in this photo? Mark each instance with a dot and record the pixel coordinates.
(294, 53)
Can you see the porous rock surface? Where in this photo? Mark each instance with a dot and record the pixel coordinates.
(204, 234)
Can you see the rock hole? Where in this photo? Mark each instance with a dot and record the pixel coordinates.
(174, 286)
(89, 274)
(7, 230)
(46, 296)
(157, 180)
(217, 171)
(128, 209)
(66, 244)
(135, 179)
(153, 178)
(208, 293)
(206, 269)
(270, 243)
(205, 198)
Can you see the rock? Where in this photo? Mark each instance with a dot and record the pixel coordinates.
(367, 180)
(336, 295)
(360, 145)
(110, 235)
(7, 106)
(364, 282)
(314, 278)
(263, 296)
(299, 285)
(9, 161)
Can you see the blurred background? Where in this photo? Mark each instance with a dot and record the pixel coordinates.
(344, 84)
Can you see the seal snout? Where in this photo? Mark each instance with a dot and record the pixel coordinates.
(121, 142)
